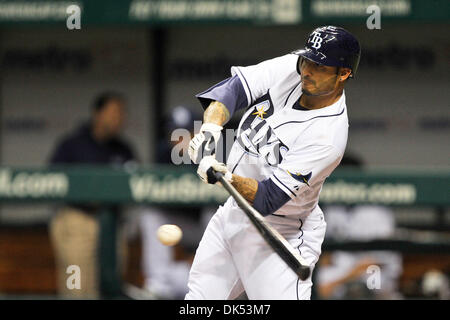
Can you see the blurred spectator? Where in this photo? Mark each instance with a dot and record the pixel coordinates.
(74, 229)
(166, 275)
(344, 274)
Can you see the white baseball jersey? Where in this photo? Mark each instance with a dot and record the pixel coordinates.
(296, 148)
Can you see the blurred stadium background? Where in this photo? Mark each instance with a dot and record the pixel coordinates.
(159, 54)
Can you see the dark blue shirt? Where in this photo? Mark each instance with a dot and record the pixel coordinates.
(81, 148)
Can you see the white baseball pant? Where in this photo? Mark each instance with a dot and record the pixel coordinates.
(233, 257)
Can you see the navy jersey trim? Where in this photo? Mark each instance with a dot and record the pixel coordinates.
(278, 215)
(299, 251)
(237, 163)
(230, 92)
(298, 106)
(326, 116)
(297, 66)
(285, 103)
(199, 96)
(269, 197)
(284, 185)
(246, 83)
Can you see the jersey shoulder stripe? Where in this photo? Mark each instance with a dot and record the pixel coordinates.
(250, 95)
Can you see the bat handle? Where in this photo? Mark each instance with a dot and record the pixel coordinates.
(218, 175)
(303, 272)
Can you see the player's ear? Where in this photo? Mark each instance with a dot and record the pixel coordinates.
(344, 73)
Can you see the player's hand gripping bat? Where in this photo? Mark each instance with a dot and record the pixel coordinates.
(278, 243)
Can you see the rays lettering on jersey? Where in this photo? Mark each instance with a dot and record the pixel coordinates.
(261, 141)
(261, 109)
(256, 137)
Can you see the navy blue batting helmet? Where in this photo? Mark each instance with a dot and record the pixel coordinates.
(332, 46)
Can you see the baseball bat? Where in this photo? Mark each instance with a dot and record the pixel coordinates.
(278, 243)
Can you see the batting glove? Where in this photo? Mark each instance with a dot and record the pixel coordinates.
(205, 142)
(206, 167)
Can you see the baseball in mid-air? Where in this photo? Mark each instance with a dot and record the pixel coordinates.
(169, 234)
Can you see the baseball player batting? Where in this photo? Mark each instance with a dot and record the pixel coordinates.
(291, 137)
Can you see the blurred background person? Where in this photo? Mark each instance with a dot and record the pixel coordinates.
(75, 229)
(344, 274)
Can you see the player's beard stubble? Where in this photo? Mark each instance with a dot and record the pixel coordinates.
(328, 88)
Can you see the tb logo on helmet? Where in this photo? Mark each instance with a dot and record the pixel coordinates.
(316, 40)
